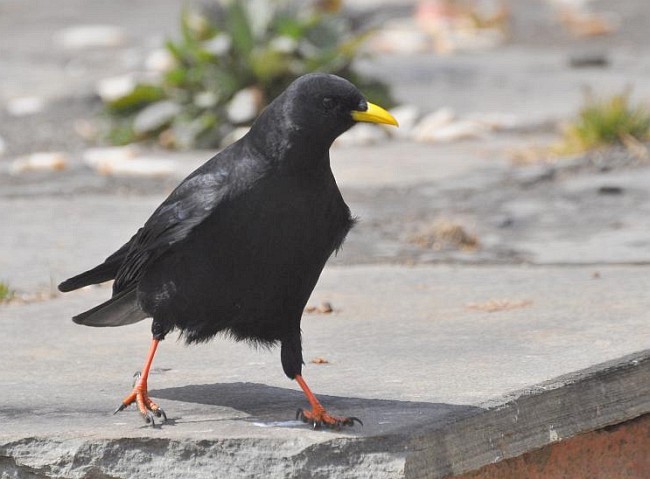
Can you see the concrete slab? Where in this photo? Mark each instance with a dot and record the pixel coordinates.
(442, 385)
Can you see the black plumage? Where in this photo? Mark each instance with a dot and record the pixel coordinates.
(239, 245)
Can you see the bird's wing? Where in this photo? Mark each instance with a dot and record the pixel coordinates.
(198, 196)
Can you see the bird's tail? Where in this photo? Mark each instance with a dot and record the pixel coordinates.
(99, 274)
(120, 310)
(103, 272)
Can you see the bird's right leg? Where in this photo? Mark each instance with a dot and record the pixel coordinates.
(140, 395)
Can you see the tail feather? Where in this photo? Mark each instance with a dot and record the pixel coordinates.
(99, 274)
(103, 272)
(120, 310)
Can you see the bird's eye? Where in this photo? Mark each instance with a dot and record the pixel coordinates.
(328, 102)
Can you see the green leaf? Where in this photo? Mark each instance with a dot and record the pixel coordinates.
(142, 95)
(176, 77)
(240, 28)
(268, 64)
(121, 134)
(290, 27)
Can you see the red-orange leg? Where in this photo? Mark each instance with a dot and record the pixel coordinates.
(140, 396)
(318, 416)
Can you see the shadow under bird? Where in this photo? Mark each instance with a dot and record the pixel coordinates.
(239, 245)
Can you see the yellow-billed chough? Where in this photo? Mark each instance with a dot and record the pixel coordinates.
(239, 245)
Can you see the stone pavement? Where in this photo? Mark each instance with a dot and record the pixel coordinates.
(442, 384)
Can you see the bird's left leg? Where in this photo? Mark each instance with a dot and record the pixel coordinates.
(318, 416)
(291, 355)
(140, 395)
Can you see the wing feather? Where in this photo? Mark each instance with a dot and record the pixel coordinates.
(197, 197)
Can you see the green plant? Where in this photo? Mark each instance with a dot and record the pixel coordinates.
(6, 293)
(232, 58)
(603, 122)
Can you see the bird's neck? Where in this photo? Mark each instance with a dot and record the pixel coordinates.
(289, 148)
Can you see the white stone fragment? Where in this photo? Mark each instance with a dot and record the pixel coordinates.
(400, 36)
(205, 99)
(86, 129)
(219, 45)
(41, 161)
(407, 117)
(95, 157)
(496, 121)
(23, 106)
(113, 88)
(155, 116)
(91, 36)
(361, 134)
(234, 135)
(458, 130)
(433, 121)
(140, 166)
(244, 105)
(284, 44)
(125, 161)
(159, 60)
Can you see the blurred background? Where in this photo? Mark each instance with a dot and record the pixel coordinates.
(523, 138)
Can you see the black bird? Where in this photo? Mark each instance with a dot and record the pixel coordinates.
(239, 245)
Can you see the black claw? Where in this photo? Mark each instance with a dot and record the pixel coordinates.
(346, 421)
(136, 377)
(351, 420)
(148, 418)
(121, 407)
(160, 413)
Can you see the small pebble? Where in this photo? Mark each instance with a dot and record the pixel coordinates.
(160, 61)
(320, 361)
(24, 106)
(325, 307)
(458, 130)
(114, 88)
(407, 117)
(86, 129)
(244, 106)
(610, 190)
(155, 116)
(91, 36)
(42, 161)
(361, 134)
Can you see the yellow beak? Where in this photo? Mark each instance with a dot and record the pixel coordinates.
(374, 114)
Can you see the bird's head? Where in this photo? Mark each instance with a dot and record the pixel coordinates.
(330, 105)
(318, 107)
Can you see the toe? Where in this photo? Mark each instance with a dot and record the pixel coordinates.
(325, 420)
(349, 421)
(149, 418)
(161, 414)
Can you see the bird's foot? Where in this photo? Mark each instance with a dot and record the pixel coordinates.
(318, 418)
(148, 409)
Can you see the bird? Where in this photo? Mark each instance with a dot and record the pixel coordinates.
(239, 245)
